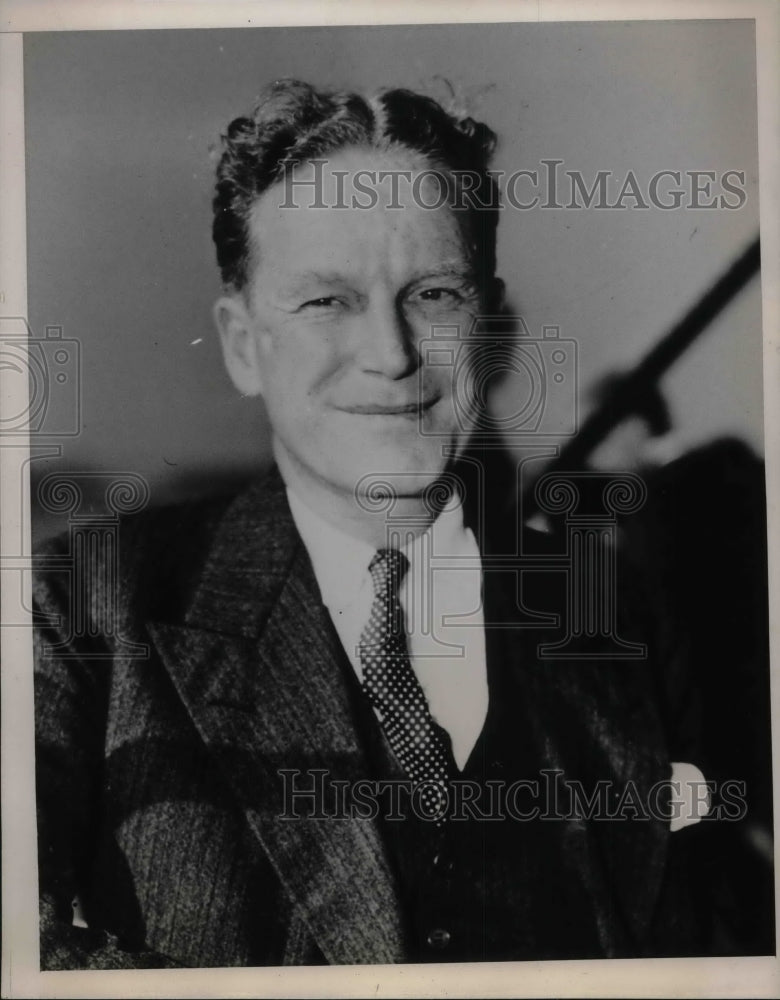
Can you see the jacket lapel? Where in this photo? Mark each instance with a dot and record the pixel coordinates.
(260, 670)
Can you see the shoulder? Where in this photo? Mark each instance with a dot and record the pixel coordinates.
(150, 560)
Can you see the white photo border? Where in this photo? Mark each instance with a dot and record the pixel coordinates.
(628, 978)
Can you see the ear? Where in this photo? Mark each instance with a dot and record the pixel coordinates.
(238, 337)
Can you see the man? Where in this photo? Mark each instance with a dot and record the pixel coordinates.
(349, 741)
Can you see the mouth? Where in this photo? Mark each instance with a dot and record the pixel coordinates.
(414, 409)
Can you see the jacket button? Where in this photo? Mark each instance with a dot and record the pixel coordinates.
(439, 938)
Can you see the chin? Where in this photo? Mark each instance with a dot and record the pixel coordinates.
(400, 474)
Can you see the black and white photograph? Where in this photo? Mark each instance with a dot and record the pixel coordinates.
(393, 560)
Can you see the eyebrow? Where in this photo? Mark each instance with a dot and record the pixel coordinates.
(446, 269)
(300, 282)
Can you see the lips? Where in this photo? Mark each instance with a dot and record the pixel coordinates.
(390, 409)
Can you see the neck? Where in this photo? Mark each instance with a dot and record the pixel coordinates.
(382, 521)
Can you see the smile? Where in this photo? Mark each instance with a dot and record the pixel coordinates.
(391, 409)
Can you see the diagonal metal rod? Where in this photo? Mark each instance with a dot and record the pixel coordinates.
(633, 386)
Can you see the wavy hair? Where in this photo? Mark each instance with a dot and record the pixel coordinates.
(293, 122)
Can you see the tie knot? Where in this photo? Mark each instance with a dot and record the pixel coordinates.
(388, 568)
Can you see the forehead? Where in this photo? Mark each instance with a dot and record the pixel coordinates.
(360, 210)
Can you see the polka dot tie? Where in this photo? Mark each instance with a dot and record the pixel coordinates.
(420, 745)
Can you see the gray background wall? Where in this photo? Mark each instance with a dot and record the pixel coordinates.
(119, 127)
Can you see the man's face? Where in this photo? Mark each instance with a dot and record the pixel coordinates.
(337, 306)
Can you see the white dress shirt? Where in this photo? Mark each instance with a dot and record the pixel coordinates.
(441, 596)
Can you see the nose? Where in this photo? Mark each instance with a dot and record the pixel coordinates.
(387, 341)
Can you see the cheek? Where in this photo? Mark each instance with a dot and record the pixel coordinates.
(297, 370)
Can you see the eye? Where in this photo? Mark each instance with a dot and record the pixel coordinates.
(323, 302)
(440, 294)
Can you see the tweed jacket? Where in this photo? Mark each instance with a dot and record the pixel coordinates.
(162, 728)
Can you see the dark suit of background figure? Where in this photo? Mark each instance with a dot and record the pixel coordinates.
(701, 546)
(160, 799)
